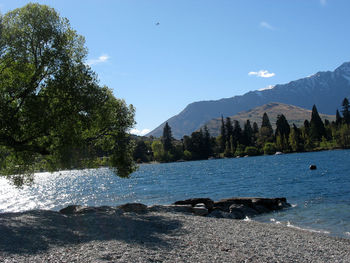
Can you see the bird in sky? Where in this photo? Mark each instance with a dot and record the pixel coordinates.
(157, 24)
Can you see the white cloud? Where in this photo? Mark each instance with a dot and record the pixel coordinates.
(100, 59)
(323, 2)
(262, 74)
(139, 132)
(266, 25)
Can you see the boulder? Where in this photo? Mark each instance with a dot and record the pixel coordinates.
(270, 203)
(209, 204)
(224, 204)
(171, 208)
(217, 213)
(134, 208)
(241, 211)
(200, 209)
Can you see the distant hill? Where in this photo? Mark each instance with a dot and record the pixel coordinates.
(292, 113)
(325, 89)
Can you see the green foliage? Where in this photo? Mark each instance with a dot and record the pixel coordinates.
(251, 151)
(240, 150)
(343, 136)
(187, 155)
(52, 109)
(269, 148)
(295, 140)
(158, 151)
(141, 152)
(199, 144)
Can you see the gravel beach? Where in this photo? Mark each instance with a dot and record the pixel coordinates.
(48, 236)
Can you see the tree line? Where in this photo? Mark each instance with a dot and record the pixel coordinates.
(249, 140)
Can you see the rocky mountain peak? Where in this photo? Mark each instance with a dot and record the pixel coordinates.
(324, 89)
(343, 69)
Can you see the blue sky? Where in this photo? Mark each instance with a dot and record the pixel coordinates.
(201, 49)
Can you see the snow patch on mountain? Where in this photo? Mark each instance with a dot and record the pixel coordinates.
(267, 88)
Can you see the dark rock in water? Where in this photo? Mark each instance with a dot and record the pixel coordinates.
(171, 208)
(241, 207)
(242, 211)
(256, 203)
(209, 204)
(313, 167)
(232, 208)
(134, 207)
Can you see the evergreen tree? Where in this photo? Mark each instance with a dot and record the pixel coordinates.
(282, 126)
(255, 128)
(266, 131)
(208, 151)
(317, 129)
(223, 135)
(282, 133)
(228, 127)
(247, 137)
(345, 111)
(236, 133)
(338, 118)
(308, 144)
(167, 139)
(255, 133)
(266, 123)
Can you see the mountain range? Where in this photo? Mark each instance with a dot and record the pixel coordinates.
(292, 113)
(324, 89)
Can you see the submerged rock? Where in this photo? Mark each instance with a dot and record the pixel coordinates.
(313, 167)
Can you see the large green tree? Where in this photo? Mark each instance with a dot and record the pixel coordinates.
(52, 109)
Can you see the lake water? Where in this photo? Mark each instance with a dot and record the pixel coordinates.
(320, 198)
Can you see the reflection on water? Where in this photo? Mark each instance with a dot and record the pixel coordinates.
(321, 198)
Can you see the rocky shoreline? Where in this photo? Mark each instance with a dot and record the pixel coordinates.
(170, 233)
(232, 208)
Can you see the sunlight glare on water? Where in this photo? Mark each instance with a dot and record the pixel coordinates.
(320, 198)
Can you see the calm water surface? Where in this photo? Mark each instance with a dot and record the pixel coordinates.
(320, 198)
